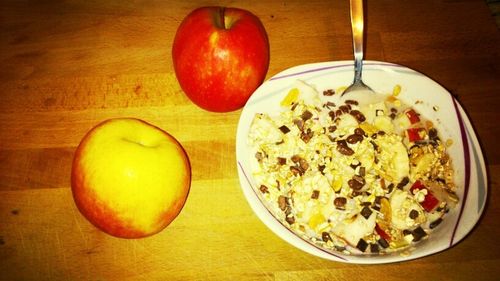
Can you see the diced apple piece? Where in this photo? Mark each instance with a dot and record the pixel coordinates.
(430, 201)
(415, 134)
(380, 231)
(412, 116)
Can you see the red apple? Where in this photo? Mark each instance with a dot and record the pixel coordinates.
(130, 178)
(220, 55)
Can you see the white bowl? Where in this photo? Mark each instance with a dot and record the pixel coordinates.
(435, 103)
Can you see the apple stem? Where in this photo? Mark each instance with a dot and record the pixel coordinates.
(222, 17)
(222, 21)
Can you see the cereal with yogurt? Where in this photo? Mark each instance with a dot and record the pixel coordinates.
(361, 179)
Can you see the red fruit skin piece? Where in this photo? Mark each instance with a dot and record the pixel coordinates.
(414, 134)
(382, 233)
(412, 116)
(430, 201)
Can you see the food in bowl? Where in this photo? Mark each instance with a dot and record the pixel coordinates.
(359, 179)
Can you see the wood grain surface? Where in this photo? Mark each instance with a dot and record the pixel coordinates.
(68, 65)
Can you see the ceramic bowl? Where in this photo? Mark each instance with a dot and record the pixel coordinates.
(428, 97)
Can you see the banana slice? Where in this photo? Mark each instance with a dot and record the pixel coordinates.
(373, 110)
(308, 94)
(383, 123)
(400, 162)
(394, 161)
(356, 229)
(401, 206)
(263, 128)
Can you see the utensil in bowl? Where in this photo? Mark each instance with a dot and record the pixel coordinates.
(358, 90)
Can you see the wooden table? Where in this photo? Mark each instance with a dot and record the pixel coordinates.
(67, 65)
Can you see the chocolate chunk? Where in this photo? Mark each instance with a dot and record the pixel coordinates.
(340, 202)
(338, 112)
(284, 129)
(282, 202)
(303, 164)
(306, 136)
(374, 248)
(435, 223)
(355, 193)
(344, 108)
(390, 187)
(353, 102)
(406, 232)
(356, 183)
(328, 92)
(413, 214)
(362, 245)
(362, 171)
(315, 194)
(343, 148)
(263, 189)
(329, 104)
(332, 129)
(331, 113)
(354, 166)
(382, 242)
(290, 219)
(281, 160)
(325, 236)
(433, 134)
(381, 133)
(418, 233)
(403, 183)
(358, 115)
(296, 171)
(299, 123)
(366, 212)
(359, 131)
(306, 115)
(321, 168)
(375, 146)
(295, 158)
(354, 138)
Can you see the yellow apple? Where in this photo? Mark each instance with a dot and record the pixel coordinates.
(129, 178)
